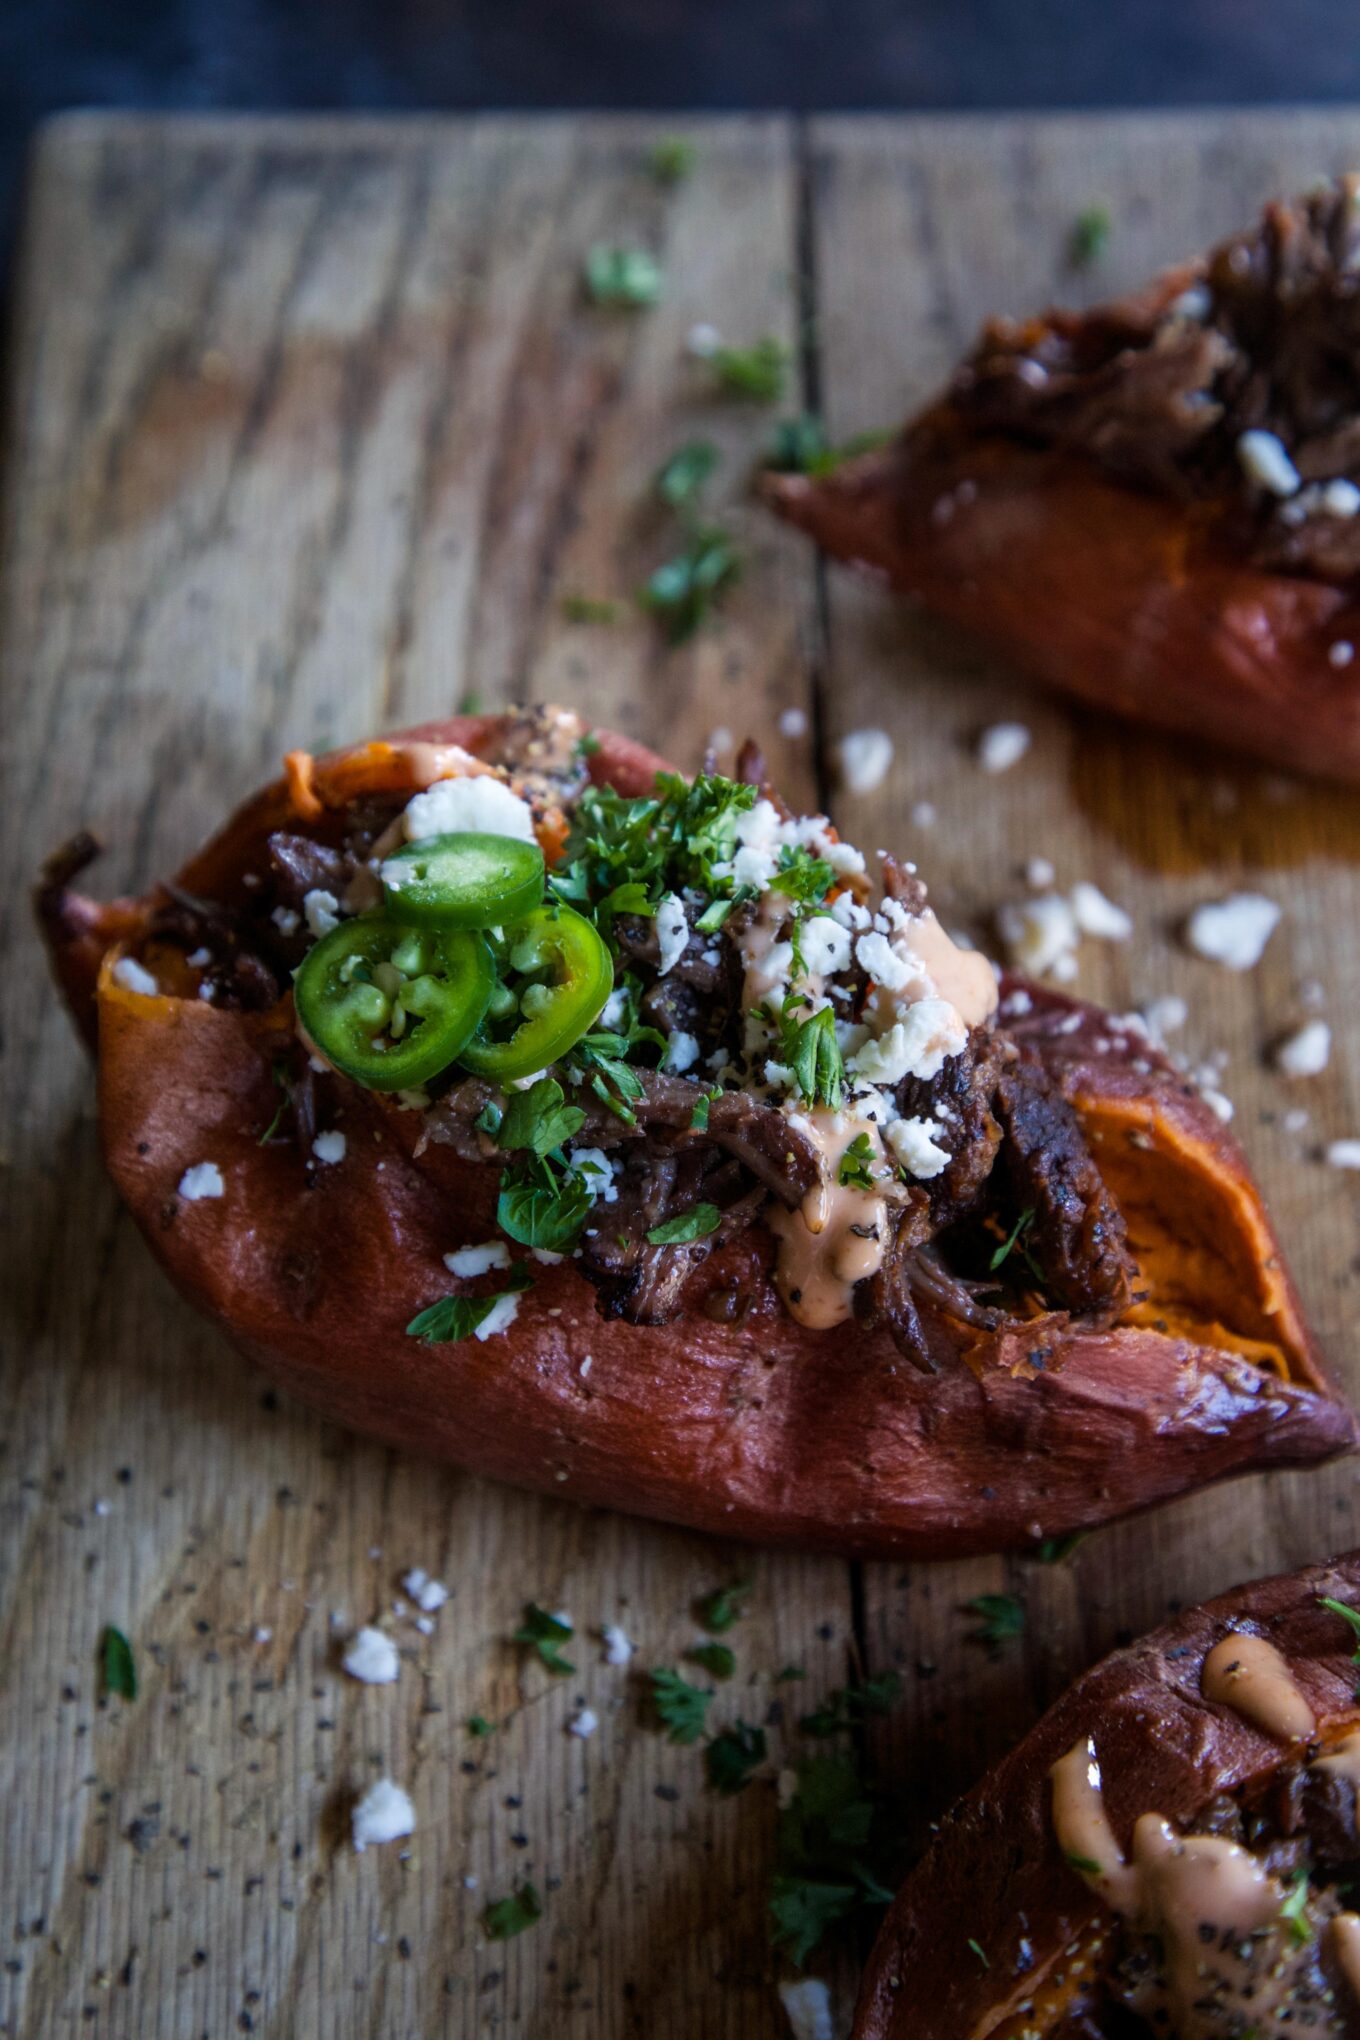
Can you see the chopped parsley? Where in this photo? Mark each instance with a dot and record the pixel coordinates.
(1015, 1242)
(680, 481)
(457, 1317)
(1000, 1618)
(545, 1634)
(589, 609)
(278, 1070)
(1057, 1550)
(539, 1119)
(1086, 1864)
(835, 1854)
(786, 1673)
(1294, 1909)
(1089, 237)
(682, 590)
(757, 372)
(586, 746)
(717, 1659)
(510, 1916)
(624, 277)
(732, 1757)
(848, 1706)
(720, 1609)
(698, 1118)
(695, 1224)
(117, 1665)
(854, 1172)
(477, 1724)
(1347, 1614)
(811, 1051)
(672, 159)
(979, 1951)
(796, 445)
(802, 876)
(672, 837)
(680, 1707)
(541, 1206)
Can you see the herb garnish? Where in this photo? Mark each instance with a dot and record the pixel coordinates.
(545, 1634)
(802, 876)
(716, 1658)
(542, 1207)
(681, 478)
(1089, 236)
(589, 609)
(757, 372)
(813, 1054)
(278, 1070)
(695, 1224)
(1057, 1550)
(720, 1609)
(849, 1705)
(681, 591)
(1347, 1614)
(1015, 1241)
(510, 1916)
(796, 445)
(457, 1317)
(979, 1951)
(681, 1708)
(117, 1666)
(733, 1756)
(672, 158)
(1294, 1909)
(835, 1855)
(1002, 1616)
(539, 1119)
(627, 277)
(477, 1724)
(854, 1171)
(1086, 1864)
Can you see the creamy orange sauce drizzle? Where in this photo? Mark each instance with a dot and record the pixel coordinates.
(963, 976)
(1248, 1674)
(835, 1237)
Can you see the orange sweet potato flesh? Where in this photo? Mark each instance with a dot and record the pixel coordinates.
(995, 1874)
(759, 1429)
(1133, 602)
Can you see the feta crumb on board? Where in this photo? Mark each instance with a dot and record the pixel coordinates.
(1265, 461)
(703, 340)
(384, 1814)
(1344, 1154)
(1002, 745)
(428, 1594)
(793, 723)
(1096, 915)
(135, 977)
(470, 1261)
(1218, 1102)
(371, 1656)
(204, 1179)
(1233, 931)
(329, 1147)
(1306, 1052)
(480, 804)
(618, 1646)
(1040, 935)
(808, 2004)
(1162, 1016)
(583, 1722)
(865, 759)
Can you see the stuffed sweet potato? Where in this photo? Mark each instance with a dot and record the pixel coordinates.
(1173, 1849)
(1151, 505)
(698, 1173)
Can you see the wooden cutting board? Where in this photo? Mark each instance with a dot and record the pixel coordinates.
(309, 433)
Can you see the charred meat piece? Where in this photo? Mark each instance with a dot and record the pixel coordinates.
(964, 1091)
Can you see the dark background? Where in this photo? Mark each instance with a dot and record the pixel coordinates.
(831, 54)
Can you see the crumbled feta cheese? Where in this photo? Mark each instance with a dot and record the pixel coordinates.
(1218, 1102)
(884, 964)
(199, 959)
(470, 1261)
(479, 803)
(1194, 303)
(793, 723)
(593, 1167)
(203, 1180)
(923, 814)
(865, 759)
(500, 1317)
(1164, 1015)
(583, 1722)
(427, 1594)
(322, 910)
(720, 739)
(372, 1657)
(1339, 498)
(914, 1046)
(547, 1257)
(1233, 931)
(1306, 1052)
(618, 1647)
(134, 977)
(703, 340)
(1344, 1154)
(1265, 461)
(848, 911)
(825, 945)
(260, 1634)
(682, 1052)
(913, 1141)
(1039, 874)
(1341, 653)
(1002, 745)
(672, 932)
(329, 1147)
(1096, 915)
(808, 2004)
(1040, 935)
(384, 1814)
(615, 1010)
(1296, 1120)
(286, 919)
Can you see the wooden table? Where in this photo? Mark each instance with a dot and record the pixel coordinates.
(310, 431)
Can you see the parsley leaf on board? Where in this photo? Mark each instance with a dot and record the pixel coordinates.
(624, 277)
(477, 1724)
(680, 1707)
(695, 1224)
(117, 1665)
(733, 1756)
(719, 1610)
(539, 1119)
(1057, 1550)
(835, 1854)
(589, 609)
(1089, 237)
(1000, 1616)
(811, 1051)
(682, 590)
(680, 480)
(796, 445)
(545, 1634)
(854, 1171)
(457, 1317)
(979, 1951)
(847, 1706)
(672, 159)
(716, 1658)
(757, 372)
(510, 1916)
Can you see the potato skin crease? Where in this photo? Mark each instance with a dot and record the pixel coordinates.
(1162, 1747)
(1128, 601)
(759, 1429)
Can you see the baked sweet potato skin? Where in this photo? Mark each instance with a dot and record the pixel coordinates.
(1127, 600)
(759, 1428)
(995, 1874)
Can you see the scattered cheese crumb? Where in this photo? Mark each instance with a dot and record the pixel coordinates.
(134, 977)
(1341, 653)
(1039, 874)
(1002, 745)
(1040, 935)
(913, 1141)
(808, 2004)
(865, 759)
(261, 1635)
(480, 803)
(199, 959)
(384, 1814)
(703, 340)
(286, 919)
(1296, 1120)
(1265, 461)
(923, 814)
(1306, 1052)
(322, 910)
(1096, 915)
(595, 1170)
(793, 723)
(372, 1657)
(1233, 931)
(618, 1647)
(427, 1594)
(1218, 1102)
(914, 1046)
(1164, 1015)
(500, 1317)
(203, 1180)
(682, 1051)
(329, 1147)
(583, 1723)
(1344, 1154)
(470, 1261)
(672, 932)
(720, 739)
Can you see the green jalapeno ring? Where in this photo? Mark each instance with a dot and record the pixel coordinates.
(424, 991)
(464, 880)
(556, 1009)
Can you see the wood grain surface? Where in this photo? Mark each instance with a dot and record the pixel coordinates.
(309, 431)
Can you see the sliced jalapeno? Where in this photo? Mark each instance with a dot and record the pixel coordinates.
(392, 1005)
(467, 880)
(555, 977)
